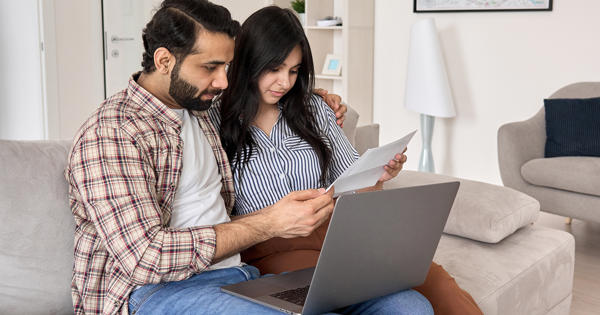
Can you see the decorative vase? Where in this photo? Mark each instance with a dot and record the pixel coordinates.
(302, 18)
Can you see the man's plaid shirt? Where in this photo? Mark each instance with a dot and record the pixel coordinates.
(123, 171)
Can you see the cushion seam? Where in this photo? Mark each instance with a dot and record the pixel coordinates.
(520, 209)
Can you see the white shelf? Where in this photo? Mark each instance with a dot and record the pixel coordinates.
(324, 27)
(352, 42)
(328, 77)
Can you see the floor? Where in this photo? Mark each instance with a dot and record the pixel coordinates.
(586, 284)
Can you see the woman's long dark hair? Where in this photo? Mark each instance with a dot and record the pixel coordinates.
(266, 39)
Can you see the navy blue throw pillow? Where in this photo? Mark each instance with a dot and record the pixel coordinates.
(572, 127)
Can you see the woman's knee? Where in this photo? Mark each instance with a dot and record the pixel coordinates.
(416, 304)
(408, 302)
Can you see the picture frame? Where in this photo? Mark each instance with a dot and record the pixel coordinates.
(333, 65)
(441, 6)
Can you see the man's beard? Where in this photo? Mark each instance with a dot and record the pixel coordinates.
(183, 92)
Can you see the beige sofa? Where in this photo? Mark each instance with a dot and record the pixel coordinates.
(568, 186)
(508, 268)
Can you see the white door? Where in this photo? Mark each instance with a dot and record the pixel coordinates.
(123, 22)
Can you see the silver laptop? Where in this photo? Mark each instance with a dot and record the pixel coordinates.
(377, 243)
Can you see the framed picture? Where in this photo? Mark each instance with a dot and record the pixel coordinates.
(333, 65)
(422, 6)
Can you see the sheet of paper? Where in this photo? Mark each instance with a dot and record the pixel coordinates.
(365, 171)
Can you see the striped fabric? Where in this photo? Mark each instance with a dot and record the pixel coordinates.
(122, 173)
(283, 162)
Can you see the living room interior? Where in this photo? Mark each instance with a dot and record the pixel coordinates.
(500, 66)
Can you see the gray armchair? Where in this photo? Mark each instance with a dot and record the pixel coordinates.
(568, 186)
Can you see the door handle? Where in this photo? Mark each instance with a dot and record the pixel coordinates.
(120, 39)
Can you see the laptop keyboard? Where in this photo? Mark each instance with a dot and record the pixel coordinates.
(296, 296)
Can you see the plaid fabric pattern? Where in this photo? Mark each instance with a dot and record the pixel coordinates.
(122, 171)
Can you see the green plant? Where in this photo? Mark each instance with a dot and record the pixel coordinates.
(298, 6)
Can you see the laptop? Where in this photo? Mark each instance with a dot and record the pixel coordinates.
(377, 243)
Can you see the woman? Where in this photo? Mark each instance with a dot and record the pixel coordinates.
(277, 135)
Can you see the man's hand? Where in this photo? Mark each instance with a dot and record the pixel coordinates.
(335, 102)
(393, 167)
(296, 215)
(299, 213)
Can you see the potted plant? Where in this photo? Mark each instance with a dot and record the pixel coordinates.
(298, 6)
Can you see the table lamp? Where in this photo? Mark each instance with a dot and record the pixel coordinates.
(427, 88)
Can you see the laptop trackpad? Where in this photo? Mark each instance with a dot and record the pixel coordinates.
(260, 290)
(272, 284)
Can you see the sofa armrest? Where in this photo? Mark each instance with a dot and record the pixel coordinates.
(519, 142)
(366, 137)
(361, 137)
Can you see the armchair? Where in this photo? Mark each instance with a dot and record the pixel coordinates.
(567, 186)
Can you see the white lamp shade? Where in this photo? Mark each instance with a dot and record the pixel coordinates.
(427, 88)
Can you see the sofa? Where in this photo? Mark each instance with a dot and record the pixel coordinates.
(490, 246)
(567, 186)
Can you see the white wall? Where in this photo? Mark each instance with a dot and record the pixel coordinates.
(241, 9)
(501, 66)
(21, 102)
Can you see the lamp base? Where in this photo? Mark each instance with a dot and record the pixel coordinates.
(426, 160)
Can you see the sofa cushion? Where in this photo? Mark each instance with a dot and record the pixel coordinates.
(350, 123)
(481, 211)
(529, 272)
(572, 127)
(37, 231)
(577, 174)
(366, 137)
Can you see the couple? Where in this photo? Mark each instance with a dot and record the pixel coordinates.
(150, 183)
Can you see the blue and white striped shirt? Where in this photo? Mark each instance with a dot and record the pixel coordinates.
(283, 162)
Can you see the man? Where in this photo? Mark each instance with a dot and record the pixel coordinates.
(126, 177)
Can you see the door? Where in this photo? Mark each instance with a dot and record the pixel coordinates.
(123, 22)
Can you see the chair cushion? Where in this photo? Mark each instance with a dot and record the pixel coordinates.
(572, 127)
(577, 174)
(481, 211)
(37, 231)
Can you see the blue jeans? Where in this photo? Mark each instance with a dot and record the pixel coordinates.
(201, 294)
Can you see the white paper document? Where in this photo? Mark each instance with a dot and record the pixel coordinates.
(365, 171)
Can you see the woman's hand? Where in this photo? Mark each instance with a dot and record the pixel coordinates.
(335, 102)
(393, 167)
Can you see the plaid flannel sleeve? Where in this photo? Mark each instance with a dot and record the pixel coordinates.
(116, 182)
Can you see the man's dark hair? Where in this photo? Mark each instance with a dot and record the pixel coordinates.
(176, 25)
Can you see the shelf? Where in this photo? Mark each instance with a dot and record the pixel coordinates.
(328, 77)
(323, 27)
(352, 42)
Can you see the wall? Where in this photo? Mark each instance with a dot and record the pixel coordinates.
(21, 102)
(501, 66)
(241, 9)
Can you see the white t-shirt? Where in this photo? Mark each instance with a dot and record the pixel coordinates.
(198, 200)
